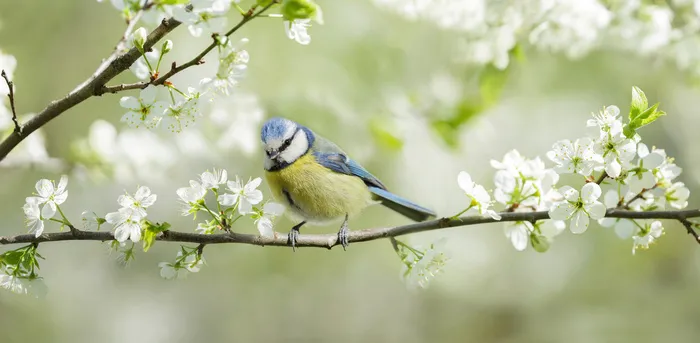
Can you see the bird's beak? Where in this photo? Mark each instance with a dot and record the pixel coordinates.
(274, 154)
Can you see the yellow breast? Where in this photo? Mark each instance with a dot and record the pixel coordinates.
(316, 194)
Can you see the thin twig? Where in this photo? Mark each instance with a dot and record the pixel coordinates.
(197, 60)
(602, 177)
(11, 95)
(87, 89)
(330, 240)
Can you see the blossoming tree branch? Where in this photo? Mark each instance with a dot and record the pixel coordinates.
(612, 176)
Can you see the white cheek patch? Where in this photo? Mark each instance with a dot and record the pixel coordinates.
(297, 148)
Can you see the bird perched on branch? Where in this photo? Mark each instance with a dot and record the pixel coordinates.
(319, 183)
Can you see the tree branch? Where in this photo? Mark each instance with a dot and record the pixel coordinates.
(114, 65)
(109, 69)
(197, 60)
(328, 241)
(11, 95)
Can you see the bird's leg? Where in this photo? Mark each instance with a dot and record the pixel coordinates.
(344, 233)
(294, 235)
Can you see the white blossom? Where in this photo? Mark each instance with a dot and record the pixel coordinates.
(297, 30)
(139, 202)
(206, 16)
(49, 195)
(244, 195)
(642, 176)
(232, 66)
(479, 197)
(651, 232)
(264, 220)
(616, 149)
(578, 208)
(574, 157)
(420, 270)
(144, 110)
(519, 234)
(212, 180)
(677, 195)
(34, 220)
(90, 220)
(126, 223)
(181, 114)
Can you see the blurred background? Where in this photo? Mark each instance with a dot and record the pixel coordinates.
(398, 95)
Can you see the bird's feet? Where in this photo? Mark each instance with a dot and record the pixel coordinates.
(293, 235)
(344, 234)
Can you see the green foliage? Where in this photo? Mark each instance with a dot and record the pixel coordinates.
(298, 9)
(381, 129)
(641, 114)
(263, 3)
(151, 231)
(491, 82)
(21, 262)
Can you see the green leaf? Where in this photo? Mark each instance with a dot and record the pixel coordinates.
(639, 103)
(383, 132)
(491, 83)
(263, 3)
(539, 243)
(629, 131)
(298, 9)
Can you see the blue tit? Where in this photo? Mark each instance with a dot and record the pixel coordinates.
(319, 183)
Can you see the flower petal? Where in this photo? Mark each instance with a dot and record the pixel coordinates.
(561, 211)
(129, 102)
(595, 210)
(590, 192)
(579, 222)
(464, 180)
(48, 210)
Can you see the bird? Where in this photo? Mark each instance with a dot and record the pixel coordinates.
(319, 183)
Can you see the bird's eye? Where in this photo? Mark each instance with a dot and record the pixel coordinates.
(287, 141)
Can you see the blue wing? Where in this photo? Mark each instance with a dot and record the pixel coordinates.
(341, 163)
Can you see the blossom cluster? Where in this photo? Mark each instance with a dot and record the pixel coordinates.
(420, 266)
(611, 160)
(490, 30)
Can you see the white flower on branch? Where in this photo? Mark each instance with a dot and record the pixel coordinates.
(126, 223)
(244, 196)
(642, 176)
(144, 110)
(623, 228)
(421, 266)
(616, 149)
(264, 218)
(191, 197)
(182, 114)
(205, 16)
(648, 234)
(212, 180)
(169, 272)
(522, 183)
(91, 221)
(297, 30)
(33, 217)
(139, 202)
(677, 195)
(604, 119)
(519, 234)
(479, 197)
(49, 195)
(232, 66)
(574, 157)
(578, 208)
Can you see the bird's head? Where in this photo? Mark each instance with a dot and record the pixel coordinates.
(284, 142)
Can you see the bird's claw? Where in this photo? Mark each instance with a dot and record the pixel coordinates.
(344, 234)
(292, 238)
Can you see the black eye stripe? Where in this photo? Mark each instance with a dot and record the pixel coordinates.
(288, 141)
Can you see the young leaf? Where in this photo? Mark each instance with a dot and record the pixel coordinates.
(639, 103)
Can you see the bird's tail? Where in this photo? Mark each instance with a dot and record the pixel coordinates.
(402, 206)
